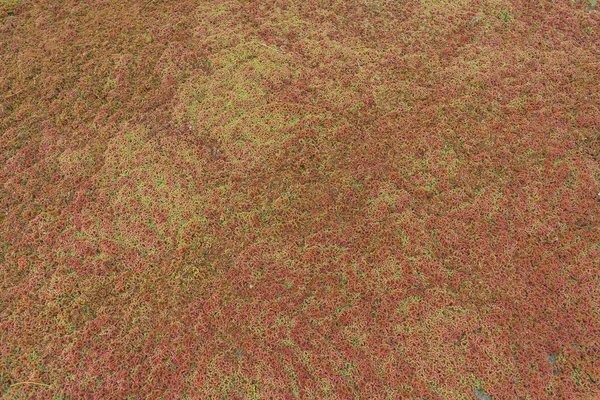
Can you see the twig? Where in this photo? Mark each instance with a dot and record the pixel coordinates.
(147, 3)
(277, 49)
(28, 383)
(8, 96)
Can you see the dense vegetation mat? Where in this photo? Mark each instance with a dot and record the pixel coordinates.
(299, 199)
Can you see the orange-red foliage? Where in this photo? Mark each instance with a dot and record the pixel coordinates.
(317, 199)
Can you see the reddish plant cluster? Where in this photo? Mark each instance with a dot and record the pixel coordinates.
(240, 199)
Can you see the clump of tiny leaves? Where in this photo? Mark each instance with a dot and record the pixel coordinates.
(242, 199)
